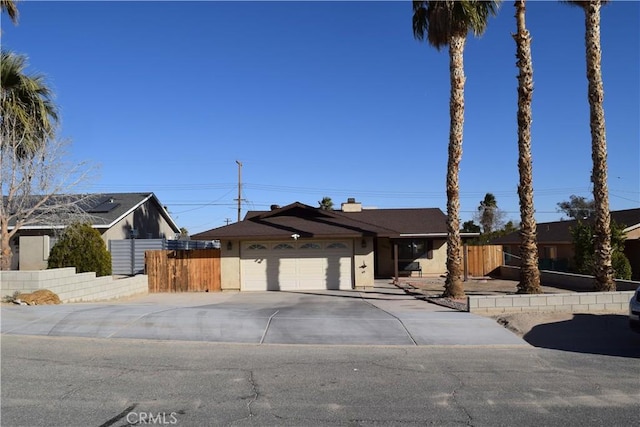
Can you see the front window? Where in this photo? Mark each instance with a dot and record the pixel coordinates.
(412, 249)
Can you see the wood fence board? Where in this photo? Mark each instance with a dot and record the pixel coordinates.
(183, 270)
(482, 260)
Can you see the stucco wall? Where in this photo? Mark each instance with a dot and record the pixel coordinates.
(384, 258)
(363, 263)
(230, 265)
(147, 220)
(34, 252)
(438, 263)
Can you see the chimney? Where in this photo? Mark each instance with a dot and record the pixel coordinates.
(351, 205)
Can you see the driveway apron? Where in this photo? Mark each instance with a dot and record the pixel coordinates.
(382, 315)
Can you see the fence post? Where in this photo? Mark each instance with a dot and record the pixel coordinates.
(465, 258)
(133, 256)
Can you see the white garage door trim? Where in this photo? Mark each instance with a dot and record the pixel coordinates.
(296, 265)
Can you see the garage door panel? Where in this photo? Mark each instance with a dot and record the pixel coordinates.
(298, 266)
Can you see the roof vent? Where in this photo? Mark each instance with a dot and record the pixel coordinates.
(274, 207)
(351, 200)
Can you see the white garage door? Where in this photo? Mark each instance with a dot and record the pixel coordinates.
(296, 265)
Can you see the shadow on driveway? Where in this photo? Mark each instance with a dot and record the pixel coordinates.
(606, 334)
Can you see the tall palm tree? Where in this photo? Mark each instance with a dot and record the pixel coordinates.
(26, 104)
(529, 272)
(602, 226)
(447, 23)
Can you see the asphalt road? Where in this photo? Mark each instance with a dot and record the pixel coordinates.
(70, 381)
(329, 358)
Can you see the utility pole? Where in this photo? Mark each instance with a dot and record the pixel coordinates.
(227, 221)
(239, 188)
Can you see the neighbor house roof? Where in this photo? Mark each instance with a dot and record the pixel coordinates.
(307, 221)
(104, 210)
(560, 231)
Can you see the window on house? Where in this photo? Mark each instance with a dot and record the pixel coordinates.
(311, 246)
(281, 246)
(415, 248)
(336, 245)
(550, 252)
(256, 246)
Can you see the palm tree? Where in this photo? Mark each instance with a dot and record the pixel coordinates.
(447, 23)
(603, 269)
(529, 272)
(10, 7)
(487, 212)
(26, 105)
(326, 204)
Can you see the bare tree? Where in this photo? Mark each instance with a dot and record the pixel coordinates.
(38, 190)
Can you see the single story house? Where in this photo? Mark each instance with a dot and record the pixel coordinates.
(555, 244)
(115, 215)
(300, 247)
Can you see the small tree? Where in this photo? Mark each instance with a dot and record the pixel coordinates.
(82, 247)
(470, 227)
(577, 207)
(584, 243)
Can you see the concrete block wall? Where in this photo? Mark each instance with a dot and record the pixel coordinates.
(582, 302)
(568, 281)
(71, 286)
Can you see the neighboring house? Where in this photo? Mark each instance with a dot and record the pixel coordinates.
(115, 215)
(555, 244)
(299, 247)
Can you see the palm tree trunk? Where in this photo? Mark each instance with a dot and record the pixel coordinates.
(529, 273)
(603, 269)
(453, 287)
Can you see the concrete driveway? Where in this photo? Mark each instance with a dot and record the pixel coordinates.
(383, 315)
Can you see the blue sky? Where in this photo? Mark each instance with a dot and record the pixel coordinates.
(325, 99)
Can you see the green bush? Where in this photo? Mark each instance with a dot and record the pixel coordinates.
(621, 266)
(82, 247)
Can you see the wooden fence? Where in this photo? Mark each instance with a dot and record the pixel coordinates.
(183, 270)
(482, 260)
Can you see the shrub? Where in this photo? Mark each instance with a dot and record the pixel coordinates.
(621, 266)
(82, 247)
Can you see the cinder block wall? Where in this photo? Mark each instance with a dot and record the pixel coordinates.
(582, 302)
(568, 281)
(71, 286)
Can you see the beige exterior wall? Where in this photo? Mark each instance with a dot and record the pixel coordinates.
(435, 265)
(34, 252)
(438, 263)
(384, 257)
(633, 234)
(363, 262)
(230, 265)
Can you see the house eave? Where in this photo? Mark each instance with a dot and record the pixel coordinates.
(406, 235)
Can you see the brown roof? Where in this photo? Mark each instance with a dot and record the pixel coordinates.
(307, 221)
(560, 231)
